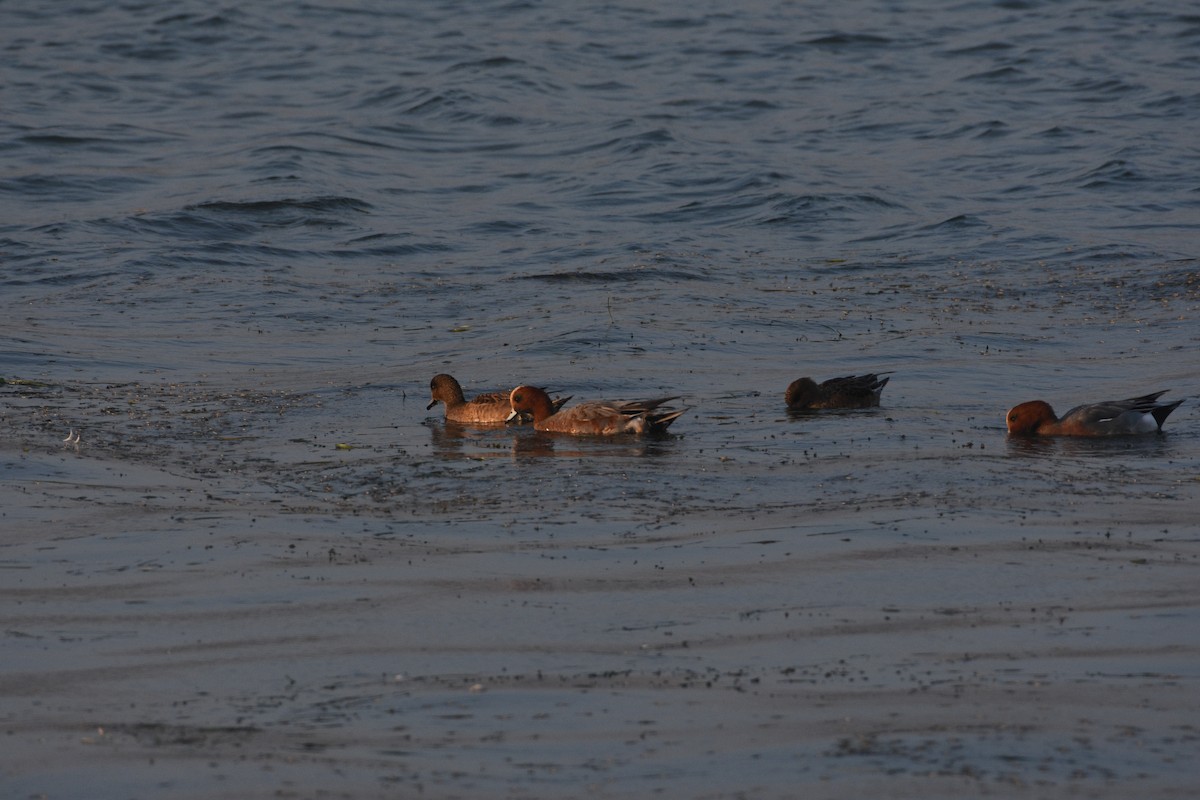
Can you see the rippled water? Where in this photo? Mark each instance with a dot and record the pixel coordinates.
(284, 174)
(236, 243)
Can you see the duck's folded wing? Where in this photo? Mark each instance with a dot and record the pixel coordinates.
(1133, 415)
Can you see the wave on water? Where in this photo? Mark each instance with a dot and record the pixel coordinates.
(630, 275)
(1115, 172)
(74, 187)
(273, 207)
(810, 208)
(840, 39)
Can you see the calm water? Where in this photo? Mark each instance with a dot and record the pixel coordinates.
(234, 239)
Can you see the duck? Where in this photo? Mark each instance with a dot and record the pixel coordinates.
(1109, 418)
(488, 408)
(594, 418)
(850, 391)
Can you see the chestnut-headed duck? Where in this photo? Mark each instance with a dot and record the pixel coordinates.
(851, 391)
(1110, 418)
(594, 418)
(489, 408)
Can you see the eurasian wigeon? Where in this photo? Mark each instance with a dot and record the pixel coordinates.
(594, 418)
(1110, 418)
(851, 391)
(489, 408)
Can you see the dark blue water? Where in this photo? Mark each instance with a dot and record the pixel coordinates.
(237, 241)
(188, 173)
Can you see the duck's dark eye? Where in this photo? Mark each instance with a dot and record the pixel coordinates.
(517, 398)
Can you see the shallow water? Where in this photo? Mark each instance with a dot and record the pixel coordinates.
(237, 243)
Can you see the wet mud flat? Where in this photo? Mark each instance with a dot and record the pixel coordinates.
(223, 591)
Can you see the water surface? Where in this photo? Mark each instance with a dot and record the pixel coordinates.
(238, 242)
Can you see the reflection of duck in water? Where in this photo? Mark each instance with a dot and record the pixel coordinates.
(530, 443)
(597, 418)
(851, 391)
(1110, 418)
(489, 408)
